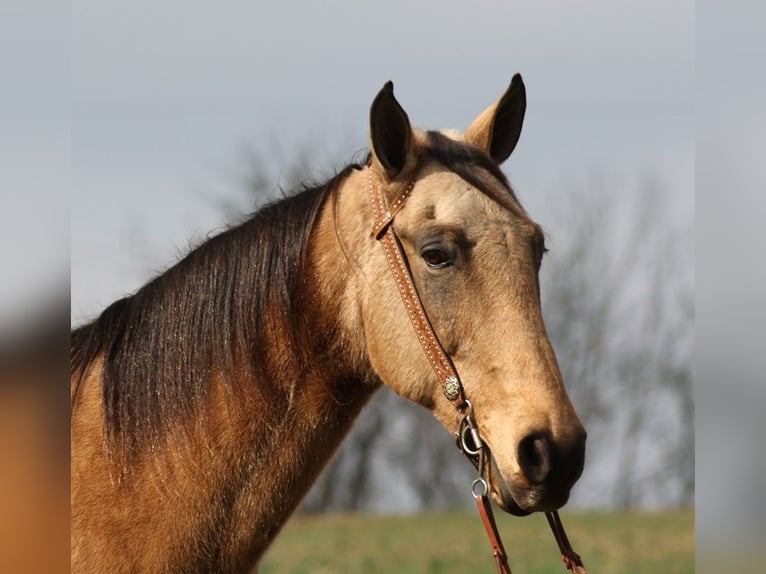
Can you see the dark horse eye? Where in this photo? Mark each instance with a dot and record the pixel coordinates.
(436, 258)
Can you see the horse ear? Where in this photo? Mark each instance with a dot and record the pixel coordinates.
(390, 131)
(498, 128)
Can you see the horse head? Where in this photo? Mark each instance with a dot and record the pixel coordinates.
(474, 255)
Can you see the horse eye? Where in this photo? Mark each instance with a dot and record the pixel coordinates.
(436, 258)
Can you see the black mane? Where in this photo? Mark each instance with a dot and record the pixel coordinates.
(213, 308)
(464, 159)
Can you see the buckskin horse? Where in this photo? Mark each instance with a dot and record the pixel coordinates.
(205, 405)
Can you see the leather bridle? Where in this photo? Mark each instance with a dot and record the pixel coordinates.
(468, 439)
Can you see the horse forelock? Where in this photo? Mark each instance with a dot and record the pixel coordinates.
(473, 165)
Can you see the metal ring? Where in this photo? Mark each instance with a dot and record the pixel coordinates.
(475, 448)
(481, 491)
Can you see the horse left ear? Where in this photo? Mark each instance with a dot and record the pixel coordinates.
(390, 132)
(498, 128)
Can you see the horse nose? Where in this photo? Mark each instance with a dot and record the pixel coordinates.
(544, 460)
(536, 457)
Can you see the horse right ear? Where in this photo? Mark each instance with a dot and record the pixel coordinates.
(390, 132)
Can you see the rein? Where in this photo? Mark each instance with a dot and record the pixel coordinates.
(468, 439)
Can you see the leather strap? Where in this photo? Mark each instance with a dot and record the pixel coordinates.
(383, 231)
(571, 559)
(488, 519)
(485, 512)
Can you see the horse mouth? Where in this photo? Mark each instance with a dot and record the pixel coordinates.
(521, 501)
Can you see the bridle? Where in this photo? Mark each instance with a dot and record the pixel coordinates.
(468, 439)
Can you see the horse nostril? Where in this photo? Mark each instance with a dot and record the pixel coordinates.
(535, 457)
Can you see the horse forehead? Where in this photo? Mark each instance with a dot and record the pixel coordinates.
(444, 195)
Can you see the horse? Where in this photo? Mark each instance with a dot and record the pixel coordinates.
(204, 405)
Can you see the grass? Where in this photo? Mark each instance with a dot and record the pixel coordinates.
(613, 542)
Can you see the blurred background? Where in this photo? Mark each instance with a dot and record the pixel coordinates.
(159, 123)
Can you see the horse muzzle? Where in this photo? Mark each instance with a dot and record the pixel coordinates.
(546, 473)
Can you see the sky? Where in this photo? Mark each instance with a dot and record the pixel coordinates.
(166, 96)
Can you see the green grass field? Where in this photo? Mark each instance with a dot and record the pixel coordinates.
(609, 542)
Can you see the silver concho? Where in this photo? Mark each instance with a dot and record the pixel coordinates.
(452, 388)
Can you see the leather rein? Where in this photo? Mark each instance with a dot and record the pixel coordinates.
(468, 439)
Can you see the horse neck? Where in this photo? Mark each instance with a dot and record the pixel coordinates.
(321, 390)
(220, 496)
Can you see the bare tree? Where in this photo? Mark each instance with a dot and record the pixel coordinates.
(618, 300)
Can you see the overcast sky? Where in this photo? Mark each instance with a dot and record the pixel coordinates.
(167, 95)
